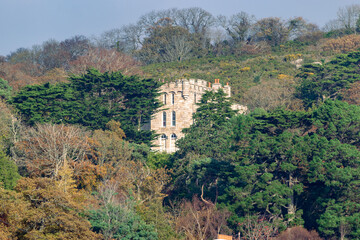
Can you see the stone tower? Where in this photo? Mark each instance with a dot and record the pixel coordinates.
(179, 98)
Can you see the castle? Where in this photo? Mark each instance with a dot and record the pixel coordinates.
(179, 99)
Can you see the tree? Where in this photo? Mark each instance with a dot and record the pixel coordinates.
(115, 222)
(300, 29)
(205, 148)
(116, 219)
(271, 30)
(289, 168)
(320, 82)
(8, 172)
(199, 219)
(105, 60)
(6, 121)
(238, 26)
(92, 100)
(195, 20)
(165, 43)
(46, 147)
(38, 209)
(5, 89)
(347, 17)
(207, 136)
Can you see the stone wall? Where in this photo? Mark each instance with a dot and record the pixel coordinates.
(179, 98)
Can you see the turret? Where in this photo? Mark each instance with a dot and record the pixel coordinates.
(227, 90)
(185, 89)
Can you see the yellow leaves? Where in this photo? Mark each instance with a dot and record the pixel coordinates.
(284, 76)
(292, 57)
(186, 75)
(66, 180)
(245, 69)
(231, 64)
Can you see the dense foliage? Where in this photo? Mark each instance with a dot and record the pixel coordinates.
(92, 100)
(75, 162)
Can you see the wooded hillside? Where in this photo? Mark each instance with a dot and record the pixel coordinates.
(76, 164)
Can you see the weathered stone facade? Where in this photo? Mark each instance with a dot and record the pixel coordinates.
(179, 100)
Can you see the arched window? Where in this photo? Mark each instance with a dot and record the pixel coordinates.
(173, 136)
(173, 98)
(164, 119)
(163, 143)
(173, 119)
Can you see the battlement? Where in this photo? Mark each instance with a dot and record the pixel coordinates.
(187, 86)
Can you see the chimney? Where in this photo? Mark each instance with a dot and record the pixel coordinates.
(216, 85)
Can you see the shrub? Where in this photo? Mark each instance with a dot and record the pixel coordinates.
(342, 45)
(298, 233)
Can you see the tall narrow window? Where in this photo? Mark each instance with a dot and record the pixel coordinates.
(194, 97)
(165, 98)
(173, 119)
(163, 143)
(173, 98)
(164, 119)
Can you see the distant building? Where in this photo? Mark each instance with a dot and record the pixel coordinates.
(179, 100)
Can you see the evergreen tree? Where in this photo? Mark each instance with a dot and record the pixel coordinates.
(5, 89)
(92, 100)
(209, 135)
(8, 172)
(319, 83)
(205, 147)
(115, 222)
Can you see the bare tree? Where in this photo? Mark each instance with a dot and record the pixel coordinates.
(200, 220)
(258, 227)
(106, 60)
(348, 16)
(44, 148)
(299, 28)
(238, 26)
(195, 20)
(132, 36)
(178, 49)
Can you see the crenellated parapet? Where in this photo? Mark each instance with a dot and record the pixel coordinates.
(190, 86)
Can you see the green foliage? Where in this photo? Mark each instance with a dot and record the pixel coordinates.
(46, 103)
(8, 172)
(292, 160)
(158, 160)
(92, 100)
(301, 168)
(338, 120)
(116, 222)
(205, 146)
(5, 89)
(154, 213)
(320, 82)
(209, 134)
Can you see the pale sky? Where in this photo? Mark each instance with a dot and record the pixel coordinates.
(24, 23)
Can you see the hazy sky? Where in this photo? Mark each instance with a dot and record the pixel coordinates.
(24, 23)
